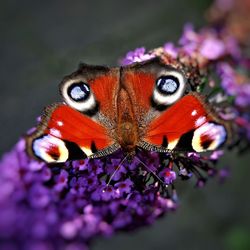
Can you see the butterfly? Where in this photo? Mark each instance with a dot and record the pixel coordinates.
(143, 106)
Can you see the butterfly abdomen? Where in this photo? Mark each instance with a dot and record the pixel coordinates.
(128, 136)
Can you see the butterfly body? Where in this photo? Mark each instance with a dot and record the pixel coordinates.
(144, 105)
(127, 128)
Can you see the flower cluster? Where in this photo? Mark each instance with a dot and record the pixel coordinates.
(234, 84)
(138, 55)
(204, 47)
(64, 206)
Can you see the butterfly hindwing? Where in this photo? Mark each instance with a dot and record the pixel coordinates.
(186, 125)
(65, 134)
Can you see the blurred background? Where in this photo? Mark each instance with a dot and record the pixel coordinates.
(43, 41)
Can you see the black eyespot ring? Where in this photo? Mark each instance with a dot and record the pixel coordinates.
(79, 91)
(167, 85)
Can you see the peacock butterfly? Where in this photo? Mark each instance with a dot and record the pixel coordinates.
(144, 105)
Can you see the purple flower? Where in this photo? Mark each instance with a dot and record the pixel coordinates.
(200, 183)
(104, 192)
(108, 193)
(216, 155)
(188, 35)
(61, 181)
(166, 203)
(226, 73)
(81, 164)
(208, 44)
(89, 182)
(96, 167)
(115, 168)
(124, 186)
(234, 84)
(224, 173)
(170, 49)
(137, 55)
(122, 220)
(194, 156)
(212, 48)
(168, 175)
(69, 229)
(39, 196)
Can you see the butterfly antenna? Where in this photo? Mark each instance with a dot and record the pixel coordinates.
(118, 167)
(151, 171)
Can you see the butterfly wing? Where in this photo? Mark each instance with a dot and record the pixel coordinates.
(186, 125)
(168, 117)
(82, 127)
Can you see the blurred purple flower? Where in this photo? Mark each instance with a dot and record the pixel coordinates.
(212, 48)
(224, 174)
(61, 181)
(216, 155)
(208, 44)
(188, 35)
(124, 187)
(170, 49)
(168, 175)
(114, 168)
(138, 55)
(39, 196)
(233, 85)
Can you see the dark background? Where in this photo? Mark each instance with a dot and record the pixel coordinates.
(43, 41)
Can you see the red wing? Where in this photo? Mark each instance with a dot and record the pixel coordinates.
(66, 134)
(105, 88)
(186, 125)
(140, 86)
(104, 84)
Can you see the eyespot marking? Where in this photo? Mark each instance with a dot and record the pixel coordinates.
(169, 88)
(167, 84)
(79, 91)
(78, 95)
(209, 136)
(50, 149)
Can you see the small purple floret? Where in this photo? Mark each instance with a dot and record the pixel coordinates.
(138, 55)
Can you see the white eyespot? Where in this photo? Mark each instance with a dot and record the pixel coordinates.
(169, 88)
(209, 136)
(50, 149)
(78, 95)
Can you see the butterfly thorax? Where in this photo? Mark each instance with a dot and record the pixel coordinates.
(127, 133)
